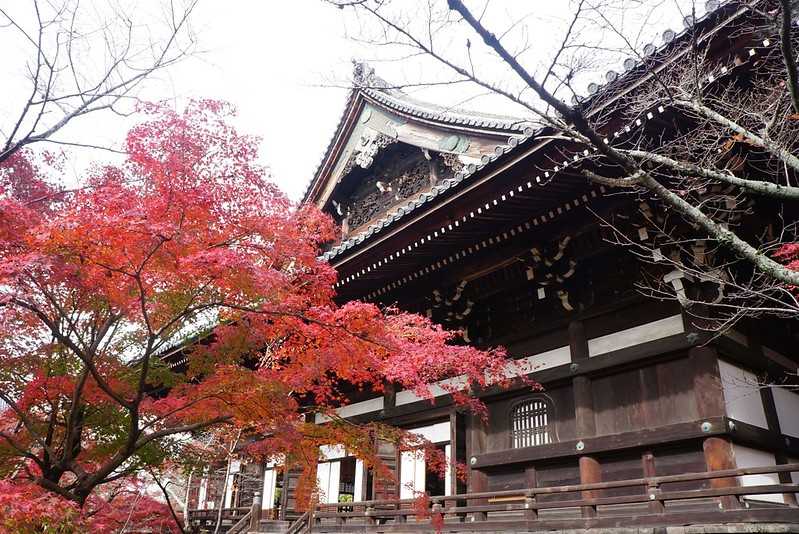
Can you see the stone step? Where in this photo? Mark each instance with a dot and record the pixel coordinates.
(272, 527)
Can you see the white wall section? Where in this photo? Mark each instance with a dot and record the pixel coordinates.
(742, 394)
(636, 335)
(351, 410)
(787, 404)
(412, 474)
(327, 478)
(747, 457)
(268, 493)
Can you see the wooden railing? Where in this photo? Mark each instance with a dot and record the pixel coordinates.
(301, 524)
(204, 518)
(531, 508)
(242, 525)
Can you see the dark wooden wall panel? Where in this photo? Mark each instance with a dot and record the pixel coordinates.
(562, 421)
(559, 474)
(540, 342)
(678, 460)
(506, 478)
(647, 397)
(621, 467)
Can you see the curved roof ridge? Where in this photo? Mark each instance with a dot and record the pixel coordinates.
(365, 80)
(372, 88)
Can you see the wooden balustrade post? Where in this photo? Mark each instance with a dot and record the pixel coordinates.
(656, 505)
(436, 509)
(399, 518)
(369, 515)
(255, 512)
(340, 520)
(530, 511)
(530, 481)
(314, 519)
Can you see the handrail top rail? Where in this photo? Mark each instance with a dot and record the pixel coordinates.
(531, 492)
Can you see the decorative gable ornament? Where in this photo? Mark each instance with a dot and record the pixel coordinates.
(369, 145)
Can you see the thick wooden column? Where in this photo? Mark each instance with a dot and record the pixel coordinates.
(710, 403)
(477, 479)
(585, 423)
(719, 456)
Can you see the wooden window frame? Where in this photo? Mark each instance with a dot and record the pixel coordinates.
(550, 427)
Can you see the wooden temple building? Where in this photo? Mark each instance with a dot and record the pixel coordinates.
(486, 224)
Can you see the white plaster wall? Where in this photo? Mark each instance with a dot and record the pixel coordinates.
(331, 452)
(327, 478)
(351, 410)
(544, 360)
(412, 474)
(268, 493)
(636, 335)
(787, 404)
(747, 457)
(742, 394)
(437, 433)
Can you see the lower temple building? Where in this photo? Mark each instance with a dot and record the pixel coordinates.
(487, 224)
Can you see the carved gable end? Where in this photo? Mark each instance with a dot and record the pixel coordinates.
(399, 172)
(390, 149)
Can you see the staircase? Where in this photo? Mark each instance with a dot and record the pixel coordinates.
(301, 525)
(272, 527)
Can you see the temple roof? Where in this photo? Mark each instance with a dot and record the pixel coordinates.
(371, 92)
(509, 133)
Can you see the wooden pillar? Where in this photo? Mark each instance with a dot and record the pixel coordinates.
(709, 397)
(719, 456)
(477, 479)
(454, 441)
(585, 422)
(590, 473)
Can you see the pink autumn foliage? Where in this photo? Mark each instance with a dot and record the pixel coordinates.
(26, 508)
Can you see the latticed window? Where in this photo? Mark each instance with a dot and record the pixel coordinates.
(530, 423)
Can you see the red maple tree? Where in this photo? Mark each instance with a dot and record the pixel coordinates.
(185, 244)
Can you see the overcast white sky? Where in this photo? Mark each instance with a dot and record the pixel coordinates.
(276, 60)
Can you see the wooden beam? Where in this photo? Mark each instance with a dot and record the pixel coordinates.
(678, 432)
